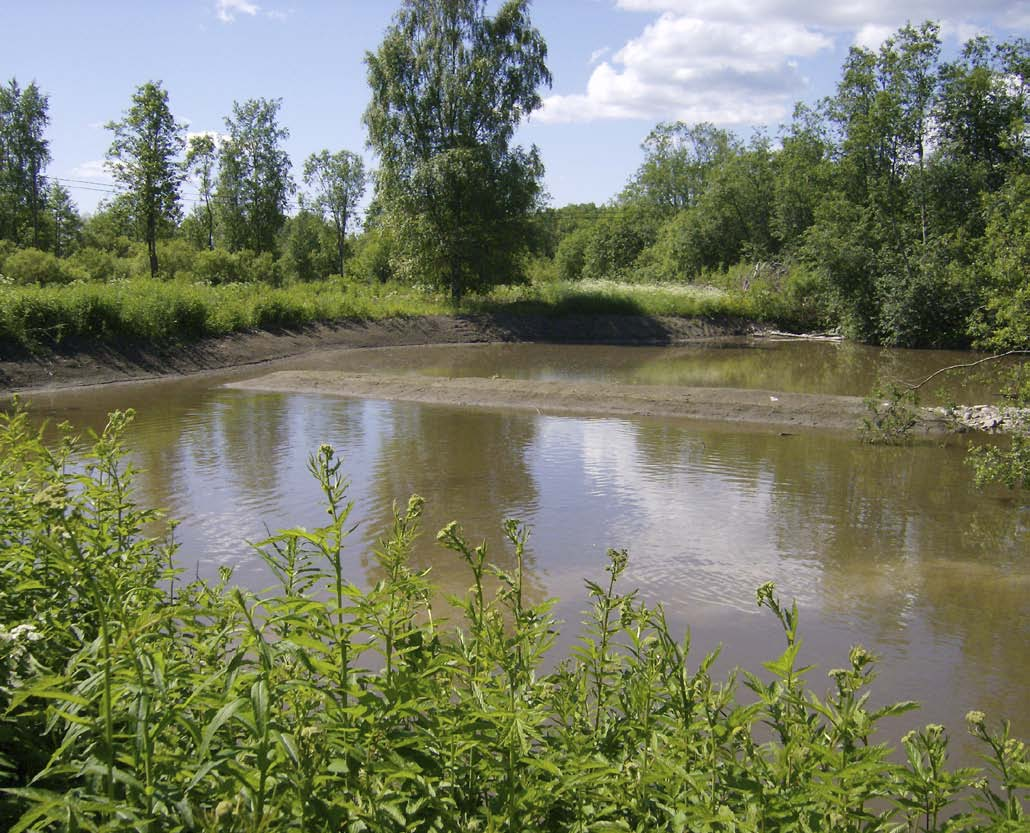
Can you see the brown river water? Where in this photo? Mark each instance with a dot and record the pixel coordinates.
(892, 548)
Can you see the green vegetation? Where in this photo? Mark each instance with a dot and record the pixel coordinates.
(449, 87)
(142, 311)
(143, 158)
(894, 211)
(141, 702)
(1008, 465)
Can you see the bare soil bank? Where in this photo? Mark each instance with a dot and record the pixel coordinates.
(92, 364)
(789, 410)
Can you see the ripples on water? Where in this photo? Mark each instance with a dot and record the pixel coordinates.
(888, 547)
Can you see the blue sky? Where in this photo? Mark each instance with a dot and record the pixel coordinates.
(619, 66)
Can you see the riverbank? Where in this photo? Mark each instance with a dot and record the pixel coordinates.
(80, 362)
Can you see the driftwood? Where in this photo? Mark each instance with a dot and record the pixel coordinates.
(779, 335)
(967, 365)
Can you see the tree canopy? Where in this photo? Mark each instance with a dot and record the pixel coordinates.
(339, 180)
(450, 84)
(24, 155)
(254, 181)
(143, 157)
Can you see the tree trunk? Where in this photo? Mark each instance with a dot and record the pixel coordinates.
(152, 244)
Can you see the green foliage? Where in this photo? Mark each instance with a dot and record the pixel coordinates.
(1008, 465)
(570, 257)
(24, 155)
(201, 162)
(678, 160)
(893, 413)
(146, 703)
(1004, 320)
(143, 158)
(28, 266)
(374, 256)
(254, 182)
(339, 180)
(449, 86)
(310, 247)
(616, 239)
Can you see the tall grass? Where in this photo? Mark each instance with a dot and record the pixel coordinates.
(130, 700)
(144, 311)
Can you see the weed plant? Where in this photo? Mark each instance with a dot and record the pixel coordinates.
(132, 701)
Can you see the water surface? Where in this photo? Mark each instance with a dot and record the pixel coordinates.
(889, 547)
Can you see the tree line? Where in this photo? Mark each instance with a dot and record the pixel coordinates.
(897, 206)
(894, 209)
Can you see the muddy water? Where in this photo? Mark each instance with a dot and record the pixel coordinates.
(888, 547)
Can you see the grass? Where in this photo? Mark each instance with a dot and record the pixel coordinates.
(131, 700)
(145, 312)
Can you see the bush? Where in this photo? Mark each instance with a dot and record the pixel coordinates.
(616, 240)
(102, 265)
(570, 256)
(28, 266)
(373, 257)
(217, 266)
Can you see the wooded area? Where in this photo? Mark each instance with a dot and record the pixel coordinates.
(895, 211)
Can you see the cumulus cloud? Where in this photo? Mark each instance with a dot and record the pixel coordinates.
(696, 70)
(227, 10)
(872, 35)
(738, 62)
(598, 54)
(849, 15)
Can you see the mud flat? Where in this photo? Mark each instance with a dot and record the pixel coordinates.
(797, 410)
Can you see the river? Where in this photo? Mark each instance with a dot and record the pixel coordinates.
(890, 547)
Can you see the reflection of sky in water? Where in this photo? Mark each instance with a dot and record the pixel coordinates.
(697, 531)
(888, 547)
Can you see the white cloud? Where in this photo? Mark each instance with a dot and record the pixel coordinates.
(696, 70)
(872, 35)
(738, 62)
(598, 54)
(95, 170)
(226, 10)
(847, 15)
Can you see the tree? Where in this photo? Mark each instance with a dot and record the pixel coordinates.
(449, 87)
(143, 157)
(254, 182)
(24, 155)
(65, 222)
(339, 180)
(201, 159)
(677, 162)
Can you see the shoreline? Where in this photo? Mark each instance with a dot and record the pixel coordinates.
(89, 364)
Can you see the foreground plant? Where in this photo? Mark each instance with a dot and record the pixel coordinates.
(130, 701)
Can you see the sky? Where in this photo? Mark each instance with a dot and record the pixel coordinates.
(619, 68)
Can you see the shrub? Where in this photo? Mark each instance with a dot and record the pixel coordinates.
(27, 266)
(217, 266)
(570, 257)
(102, 265)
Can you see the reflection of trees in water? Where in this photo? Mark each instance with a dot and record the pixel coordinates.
(470, 465)
(811, 367)
(900, 534)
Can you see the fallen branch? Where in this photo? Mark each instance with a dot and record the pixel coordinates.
(937, 373)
